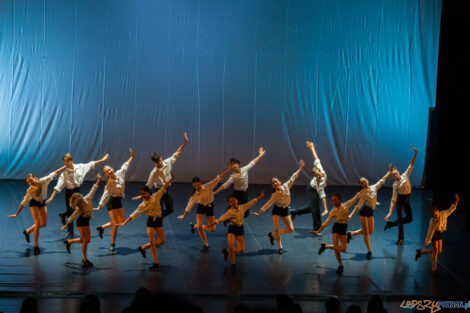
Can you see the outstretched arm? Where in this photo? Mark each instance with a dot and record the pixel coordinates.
(178, 151)
(17, 211)
(102, 159)
(132, 155)
(310, 145)
(211, 185)
(392, 203)
(325, 223)
(294, 176)
(412, 163)
(325, 207)
(260, 155)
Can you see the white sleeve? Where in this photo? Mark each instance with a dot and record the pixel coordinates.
(28, 196)
(138, 212)
(291, 180)
(104, 197)
(228, 182)
(407, 173)
(211, 185)
(268, 204)
(48, 178)
(248, 167)
(60, 183)
(191, 203)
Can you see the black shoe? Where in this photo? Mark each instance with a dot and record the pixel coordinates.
(435, 274)
(36, 251)
(339, 270)
(369, 255)
(154, 267)
(349, 236)
(142, 251)
(225, 252)
(234, 266)
(388, 224)
(292, 215)
(88, 263)
(63, 218)
(400, 242)
(100, 231)
(67, 245)
(418, 254)
(280, 251)
(193, 230)
(205, 249)
(271, 239)
(112, 248)
(322, 248)
(26, 235)
(84, 265)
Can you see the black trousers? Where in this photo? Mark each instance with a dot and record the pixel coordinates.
(313, 207)
(403, 204)
(168, 201)
(69, 211)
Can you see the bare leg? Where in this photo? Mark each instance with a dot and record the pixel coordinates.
(231, 247)
(277, 233)
(240, 241)
(153, 246)
(35, 227)
(160, 236)
(200, 229)
(289, 226)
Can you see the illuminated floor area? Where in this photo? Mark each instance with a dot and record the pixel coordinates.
(57, 279)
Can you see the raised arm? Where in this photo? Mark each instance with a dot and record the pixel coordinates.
(382, 181)
(453, 207)
(224, 185)
(294, 176)
(412, 163)
(132, 155)
(93, 190)
(265, 206)
(310, 145)
(106, 156)
(178, 151)
(357, 207)
(211, 185)
(260, 155)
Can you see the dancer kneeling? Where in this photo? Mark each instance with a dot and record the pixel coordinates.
(437, 225)
(236, 216)
(151, 206)
(203, 195)
(341, 213)
(281, 198)
(83, 212)
(36, 196)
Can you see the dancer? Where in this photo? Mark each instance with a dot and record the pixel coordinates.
(83, 212)
(112, 197)
(151, 206)
(162, 173)
(437, 225)
(340, 212)
(35, 195)
(71, 179)
(402, 191)
(369, 199)
(239, 179)
(281, 198)
(236, 216)
(203, 195)
(315, 191)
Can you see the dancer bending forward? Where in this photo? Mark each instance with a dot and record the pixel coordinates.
(83, 212)
(437, 225)
(281, 198)
(340, 212)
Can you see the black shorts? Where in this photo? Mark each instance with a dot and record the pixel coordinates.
(208, 210)
(236, 230)
(437, 236)
(366, 211)
(38, 204)
(280, 211)
(83, 221)
(340, 228)
(114, 203)
(158, 222)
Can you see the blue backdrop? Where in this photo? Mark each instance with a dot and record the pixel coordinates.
(91, 77)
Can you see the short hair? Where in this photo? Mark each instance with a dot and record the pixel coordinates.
(146, 189)
(233, 160)
(67, 156)
(337, 195)
(195, 180)
(155, 157)
(433, 209)
(231, 196)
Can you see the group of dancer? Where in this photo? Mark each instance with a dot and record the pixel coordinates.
(80, 208)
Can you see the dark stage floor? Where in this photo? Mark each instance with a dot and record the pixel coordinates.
(56, 276)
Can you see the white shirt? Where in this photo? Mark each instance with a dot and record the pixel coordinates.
(32, 192)
(439, 224)
(403, 186)
(319, 184)
(150, 207)
(281, 197)
(115, 187)
(88, 209)
(205, 196)
(159, 176)
(237, 216)
(239, 180)
(341, 213)
(72, 178)
(369, 195)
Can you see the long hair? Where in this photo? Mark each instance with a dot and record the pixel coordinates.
(77, 200)
(194, 180)
(36, 180)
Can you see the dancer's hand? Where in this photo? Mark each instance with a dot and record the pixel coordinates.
(261, 151)
(106, 156)
(136, 197)
(325, 212)
(416, 150)
(181, 217)
(65, 226)
(350, 216)
(387, 217)
(98, 177)
(95, 209)
(13, 215)
(457, 198)
(309, 144)
(256, 213)
(49, 200)
(131, 152)
(302, 163)
(390, 166)
(185, 137)
(315, 232)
